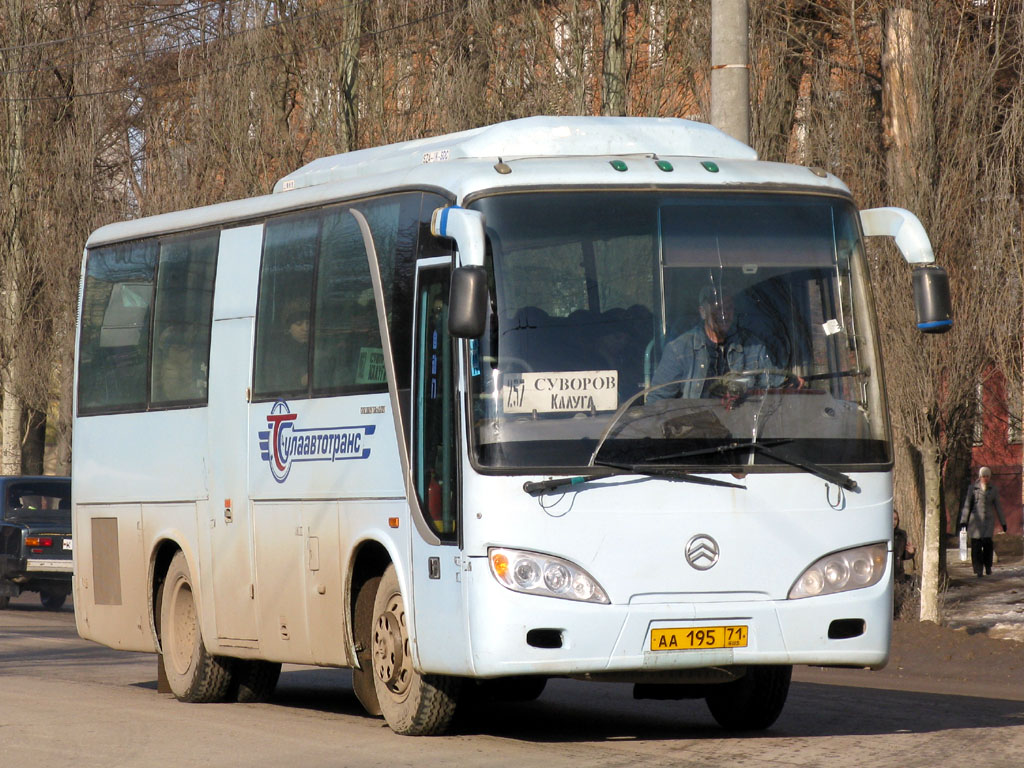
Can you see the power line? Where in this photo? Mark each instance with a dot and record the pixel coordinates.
(137, 87)
(107, 30)
(49, 64)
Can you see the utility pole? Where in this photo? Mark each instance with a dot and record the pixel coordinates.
(730, 68)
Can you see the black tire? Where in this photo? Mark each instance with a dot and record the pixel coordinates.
(362, 676)
(51, 600)
(528, 688)
(193, 674)
(413, 704)
(254, 680)
(5, 600)
(753, 702)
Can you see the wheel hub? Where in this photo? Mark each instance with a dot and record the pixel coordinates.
(388, 649)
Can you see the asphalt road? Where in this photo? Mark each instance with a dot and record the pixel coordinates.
(67, 702)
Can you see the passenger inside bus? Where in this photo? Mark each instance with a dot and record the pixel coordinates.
(692, 365)
(289, 353)
(175, 376)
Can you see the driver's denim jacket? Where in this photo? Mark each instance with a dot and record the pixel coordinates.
(686, 359)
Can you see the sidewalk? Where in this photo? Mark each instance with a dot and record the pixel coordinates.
(992, 605)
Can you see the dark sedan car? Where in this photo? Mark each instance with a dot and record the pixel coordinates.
(35, 539)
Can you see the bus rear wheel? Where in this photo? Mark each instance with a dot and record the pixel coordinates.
(53, 599)
(193, 674)
(413, 704)
(753, 702)
(254, 680)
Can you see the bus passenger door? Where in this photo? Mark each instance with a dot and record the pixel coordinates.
(231, 345)
(436, 567)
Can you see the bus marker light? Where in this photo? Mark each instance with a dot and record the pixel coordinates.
(392, 522)
(499, 563)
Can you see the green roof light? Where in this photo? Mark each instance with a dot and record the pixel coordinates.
(664, 165)
(709, 166)
(618, 165)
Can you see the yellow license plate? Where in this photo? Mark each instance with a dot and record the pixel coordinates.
(698, 638)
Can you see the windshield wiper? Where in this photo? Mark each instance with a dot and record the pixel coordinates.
(537, 487)
(765, 447)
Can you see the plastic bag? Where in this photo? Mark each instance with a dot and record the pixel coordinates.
(963, 545)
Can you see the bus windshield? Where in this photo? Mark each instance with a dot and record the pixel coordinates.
(673, 328)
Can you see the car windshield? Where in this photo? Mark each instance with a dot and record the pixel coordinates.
(635, 327)
(38, 501)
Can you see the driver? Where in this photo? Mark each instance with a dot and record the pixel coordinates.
(691, 364)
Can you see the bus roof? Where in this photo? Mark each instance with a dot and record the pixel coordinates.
(529, 137)
(539, 152)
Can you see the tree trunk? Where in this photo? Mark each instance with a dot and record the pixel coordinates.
(348, 69)
(613, 22)
(14, 258)
(10, 454)
(65, 417)
(931, 552)
(33, 447)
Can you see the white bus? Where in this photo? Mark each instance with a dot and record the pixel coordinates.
(597, 398)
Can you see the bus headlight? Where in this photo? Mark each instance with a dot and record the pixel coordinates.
(537, 574)
(842, 571)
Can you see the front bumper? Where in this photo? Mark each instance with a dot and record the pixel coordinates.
(615, 639)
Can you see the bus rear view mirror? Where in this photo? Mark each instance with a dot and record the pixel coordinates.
(931, 299)
(467, 303)
(931, 283)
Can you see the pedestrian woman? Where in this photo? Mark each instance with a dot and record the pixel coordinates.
(978, 516)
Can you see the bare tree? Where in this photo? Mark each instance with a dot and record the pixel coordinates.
(613, 22)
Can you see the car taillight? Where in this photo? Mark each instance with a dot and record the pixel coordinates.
(38, 541)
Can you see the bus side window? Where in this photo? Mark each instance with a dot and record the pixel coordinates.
(182, 316)
(283, 309)
(115, 327)
(434, 413)
(348, 352)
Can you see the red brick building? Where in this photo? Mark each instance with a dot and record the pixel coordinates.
(997, 445)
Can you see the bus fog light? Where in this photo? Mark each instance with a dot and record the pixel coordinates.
(582, 587)
(538, 574)
(812, 582)
(556, 578)
(861, 571)
(526, 573)
(836, 574)
(842, 571)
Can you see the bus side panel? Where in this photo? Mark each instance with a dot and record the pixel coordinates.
(228, 534)
(140, 457)
(280, 545)
(111, 598)
(324, 473)
(116, 492)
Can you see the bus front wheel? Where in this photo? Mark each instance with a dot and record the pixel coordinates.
(193, 674)
(413, 704)
(753, 702)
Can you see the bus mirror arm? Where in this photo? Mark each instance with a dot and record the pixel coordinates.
(932, 303)
(466, 228)
(904, 227)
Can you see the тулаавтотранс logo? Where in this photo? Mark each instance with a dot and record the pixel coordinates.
(284, 443)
